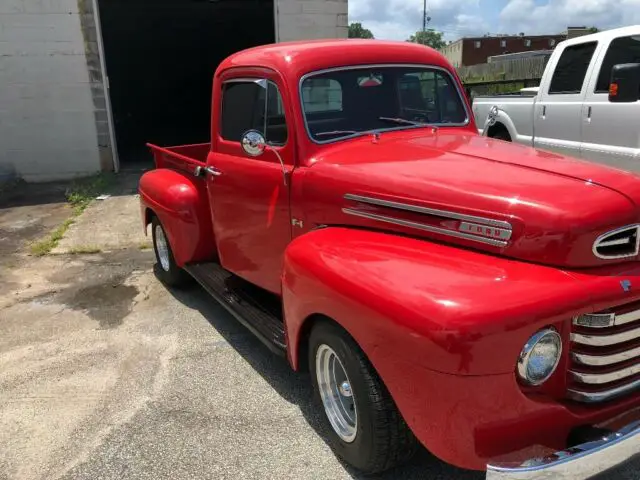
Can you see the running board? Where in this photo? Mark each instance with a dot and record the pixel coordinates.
(258, 310)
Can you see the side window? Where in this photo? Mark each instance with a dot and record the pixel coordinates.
(322, 95)
(276, 127)
(252, 105)
(621, 50)
(572, 68)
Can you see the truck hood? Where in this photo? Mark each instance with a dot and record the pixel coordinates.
(476, 192)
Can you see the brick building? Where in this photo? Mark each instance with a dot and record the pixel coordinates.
(472, 51)
(62, 118)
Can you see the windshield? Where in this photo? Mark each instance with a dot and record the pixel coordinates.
(352, 101)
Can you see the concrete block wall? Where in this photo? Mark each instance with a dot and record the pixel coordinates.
(310, 19)
(49, 98)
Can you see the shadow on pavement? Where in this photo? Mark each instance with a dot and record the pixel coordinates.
(21, 194)
(296, 388)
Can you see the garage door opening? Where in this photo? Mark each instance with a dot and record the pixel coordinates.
(160, 58)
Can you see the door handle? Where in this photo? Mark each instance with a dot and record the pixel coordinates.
(213, 171)
(198, 172)
(589, 113)
(544, 111)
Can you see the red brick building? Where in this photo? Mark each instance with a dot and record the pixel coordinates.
(472, 51)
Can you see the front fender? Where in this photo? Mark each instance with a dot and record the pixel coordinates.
(181, 203)
(447, 309)
(443, 327)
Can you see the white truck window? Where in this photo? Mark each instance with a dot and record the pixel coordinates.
(572, 68)
(621, 50)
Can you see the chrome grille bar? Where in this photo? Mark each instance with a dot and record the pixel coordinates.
(602, 396)
(601, 378)
(605, 360)
(606, 340)
(604, 320)
(595, 374)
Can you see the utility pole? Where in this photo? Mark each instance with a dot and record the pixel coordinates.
(424, 17)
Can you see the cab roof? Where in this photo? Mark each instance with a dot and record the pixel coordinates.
(298, 58)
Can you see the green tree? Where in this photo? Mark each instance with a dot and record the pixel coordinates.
(593, 30)
(430, 38)
(356, 30)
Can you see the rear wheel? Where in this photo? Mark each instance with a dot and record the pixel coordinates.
(501, 134)
(166, 267)
(364, 425)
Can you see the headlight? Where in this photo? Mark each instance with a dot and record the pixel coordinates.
(540, 356)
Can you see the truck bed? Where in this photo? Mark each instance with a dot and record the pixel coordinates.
(181, 157)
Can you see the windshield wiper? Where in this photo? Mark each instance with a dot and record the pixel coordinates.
(401, 121)
(336, 132)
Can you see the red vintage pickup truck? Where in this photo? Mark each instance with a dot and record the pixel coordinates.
(478, 297)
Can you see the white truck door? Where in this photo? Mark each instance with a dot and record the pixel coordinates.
(611, 131)
(557, 112)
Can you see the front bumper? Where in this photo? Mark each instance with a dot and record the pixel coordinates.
(579, 462)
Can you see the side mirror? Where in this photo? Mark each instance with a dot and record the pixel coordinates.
(253, 143)
(624, 86)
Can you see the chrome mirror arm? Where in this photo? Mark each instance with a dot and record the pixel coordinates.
(284, 171)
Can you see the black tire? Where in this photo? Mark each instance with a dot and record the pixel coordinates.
(169, 273)
(383, 439)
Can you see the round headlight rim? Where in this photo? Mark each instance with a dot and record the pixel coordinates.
(523, 360)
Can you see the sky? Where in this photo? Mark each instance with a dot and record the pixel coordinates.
(398, 19)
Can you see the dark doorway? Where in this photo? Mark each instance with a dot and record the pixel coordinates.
(161, 56)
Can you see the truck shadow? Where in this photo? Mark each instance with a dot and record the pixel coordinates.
(295, 387)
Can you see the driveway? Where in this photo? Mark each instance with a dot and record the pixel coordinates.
(105, 373)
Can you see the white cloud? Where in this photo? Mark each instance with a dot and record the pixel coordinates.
(555, 15)
(398, 19)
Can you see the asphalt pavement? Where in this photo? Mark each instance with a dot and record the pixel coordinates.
(107, 374)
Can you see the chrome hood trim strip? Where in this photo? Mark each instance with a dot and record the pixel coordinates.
(422, 226)
(428, 211)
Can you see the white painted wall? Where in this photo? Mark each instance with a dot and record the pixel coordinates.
(47, 123)
(310, 19)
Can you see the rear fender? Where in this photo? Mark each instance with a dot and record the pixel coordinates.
(181, 203)
(500, 118)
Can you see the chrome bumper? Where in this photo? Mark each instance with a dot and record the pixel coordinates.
(580, 462)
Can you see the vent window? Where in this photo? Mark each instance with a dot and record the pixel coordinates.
(619, 243)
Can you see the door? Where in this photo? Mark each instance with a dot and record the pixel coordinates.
(248, 196)
(557, 113)
(611, 131)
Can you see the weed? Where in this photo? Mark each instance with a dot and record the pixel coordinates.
(46, 245)
(79, 194)
(144, 245)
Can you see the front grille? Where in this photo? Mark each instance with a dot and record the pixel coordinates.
(620, 243)
(605, 355)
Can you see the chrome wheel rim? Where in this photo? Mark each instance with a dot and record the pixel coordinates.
(162, 249)
(336, 394)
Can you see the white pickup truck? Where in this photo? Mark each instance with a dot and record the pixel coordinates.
(586, 105)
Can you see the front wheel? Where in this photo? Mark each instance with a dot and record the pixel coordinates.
(166, 267)
(364, 425)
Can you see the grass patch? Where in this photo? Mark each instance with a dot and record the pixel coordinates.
(45, 246)
(79, 194)
(144, 246)
(82, 192)
(85, 249)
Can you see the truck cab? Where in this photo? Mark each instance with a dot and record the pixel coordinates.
(441, 287)
(572, 113)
